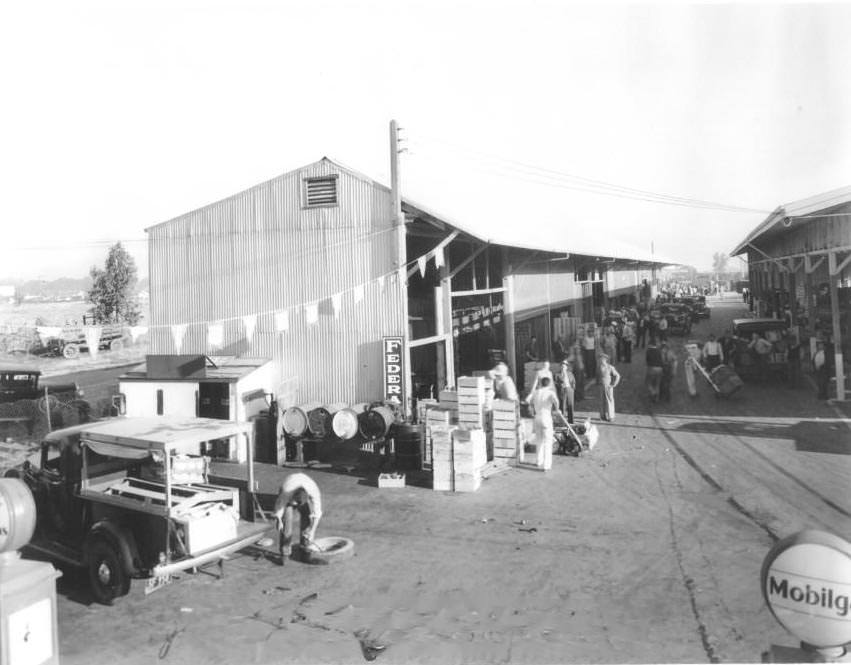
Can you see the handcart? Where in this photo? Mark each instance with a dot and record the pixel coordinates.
(723, 379)
(573, 439)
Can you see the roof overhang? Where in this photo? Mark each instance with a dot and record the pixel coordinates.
(791, 215)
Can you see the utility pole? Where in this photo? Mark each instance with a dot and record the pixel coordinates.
(398, 220)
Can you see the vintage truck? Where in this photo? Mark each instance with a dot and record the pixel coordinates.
(129, 498)
(23, 383)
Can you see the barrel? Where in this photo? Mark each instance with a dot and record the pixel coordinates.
(344, 422)
(294, 420)
(375, 422)
(407, 441)
(18, 513)
(316, 420)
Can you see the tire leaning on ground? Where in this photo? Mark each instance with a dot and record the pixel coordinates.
(331, 550)
(71, 351)
(107, 578)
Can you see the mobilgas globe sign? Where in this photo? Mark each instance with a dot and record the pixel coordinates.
(806, 582)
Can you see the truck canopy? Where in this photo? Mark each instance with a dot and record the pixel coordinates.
(136, 438)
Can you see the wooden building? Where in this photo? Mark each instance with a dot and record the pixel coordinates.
(799, 259)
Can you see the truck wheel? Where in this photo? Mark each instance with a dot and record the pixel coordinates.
(48, 403)
(107, 578)
(71, 351)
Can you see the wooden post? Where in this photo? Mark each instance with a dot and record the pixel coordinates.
(446, 305)
(508, 317)
(401, 261)
(47, 409)
(833, 276)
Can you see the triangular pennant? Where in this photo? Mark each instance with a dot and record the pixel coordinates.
(311, 313)
(358, 294)
(421, 264)
(250, 321)
(282, 321)
(336, 303)
(92, 334)
(136, 332)
(215, 335)
(438, 258)
(177, 332)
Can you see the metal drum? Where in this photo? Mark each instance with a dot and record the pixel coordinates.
(294, 420)
(375, 423)
(17, 514)
(344, 422)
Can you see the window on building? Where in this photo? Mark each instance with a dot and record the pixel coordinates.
(160, 404)
(320, 192)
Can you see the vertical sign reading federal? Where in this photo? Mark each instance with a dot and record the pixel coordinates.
(394, 370)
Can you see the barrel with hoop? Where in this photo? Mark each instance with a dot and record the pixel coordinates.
(407, 441)
(344, 421)
(294, 420)
(375, 422)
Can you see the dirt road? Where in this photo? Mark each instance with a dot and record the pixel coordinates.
(646, 550)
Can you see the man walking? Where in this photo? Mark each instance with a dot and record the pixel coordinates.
(543, 401)
(568, 389)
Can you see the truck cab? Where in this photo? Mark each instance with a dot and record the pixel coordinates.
(130, 498)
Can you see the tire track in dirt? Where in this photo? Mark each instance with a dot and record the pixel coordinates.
(712, 482)
(688, 582)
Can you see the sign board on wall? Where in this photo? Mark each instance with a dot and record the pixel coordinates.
(394, 369)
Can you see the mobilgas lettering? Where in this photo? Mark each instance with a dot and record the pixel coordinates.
(823, 597)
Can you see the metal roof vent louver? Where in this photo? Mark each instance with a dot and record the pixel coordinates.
(320, 191)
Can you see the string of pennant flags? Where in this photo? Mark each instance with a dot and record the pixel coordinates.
(281, 315)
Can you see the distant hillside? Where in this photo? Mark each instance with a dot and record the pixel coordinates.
(64, 287)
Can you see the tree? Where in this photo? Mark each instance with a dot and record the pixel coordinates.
(112, 288)
(719, 263)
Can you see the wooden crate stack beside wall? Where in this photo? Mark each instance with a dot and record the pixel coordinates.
(471, 402)
(442, 460)
(435, 416)
(449, 399)
(504, 419)
(468, 458)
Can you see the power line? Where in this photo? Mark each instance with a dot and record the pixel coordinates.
(566, 180)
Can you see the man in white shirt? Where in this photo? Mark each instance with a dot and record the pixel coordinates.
(713, 354)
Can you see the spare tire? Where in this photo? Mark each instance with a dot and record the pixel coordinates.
(331, 549)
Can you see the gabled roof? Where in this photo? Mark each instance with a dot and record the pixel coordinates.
(503, 230)
(796, 213)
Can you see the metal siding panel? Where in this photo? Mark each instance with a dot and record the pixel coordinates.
(259, 252)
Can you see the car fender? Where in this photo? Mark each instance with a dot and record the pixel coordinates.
(119, 536)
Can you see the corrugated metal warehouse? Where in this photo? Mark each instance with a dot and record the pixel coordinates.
(310, 270)
(799, 264)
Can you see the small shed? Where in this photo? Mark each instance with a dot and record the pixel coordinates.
(222, 387)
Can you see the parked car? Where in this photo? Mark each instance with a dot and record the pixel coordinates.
(697, 304)
(130, 498)
(744, 359)
(679, 318)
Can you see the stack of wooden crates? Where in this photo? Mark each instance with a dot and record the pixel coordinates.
(504, 429)
(458, 456)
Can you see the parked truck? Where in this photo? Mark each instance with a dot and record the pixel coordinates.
(129, 498)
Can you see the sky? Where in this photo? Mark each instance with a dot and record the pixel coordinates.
(554, 121)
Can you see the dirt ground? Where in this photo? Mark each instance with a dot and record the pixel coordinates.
(647, 549)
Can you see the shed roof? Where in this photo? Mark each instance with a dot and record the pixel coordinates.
(502, 226)
(793, 214)
(219, 369)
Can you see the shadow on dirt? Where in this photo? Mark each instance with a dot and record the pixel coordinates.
(814, 436)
